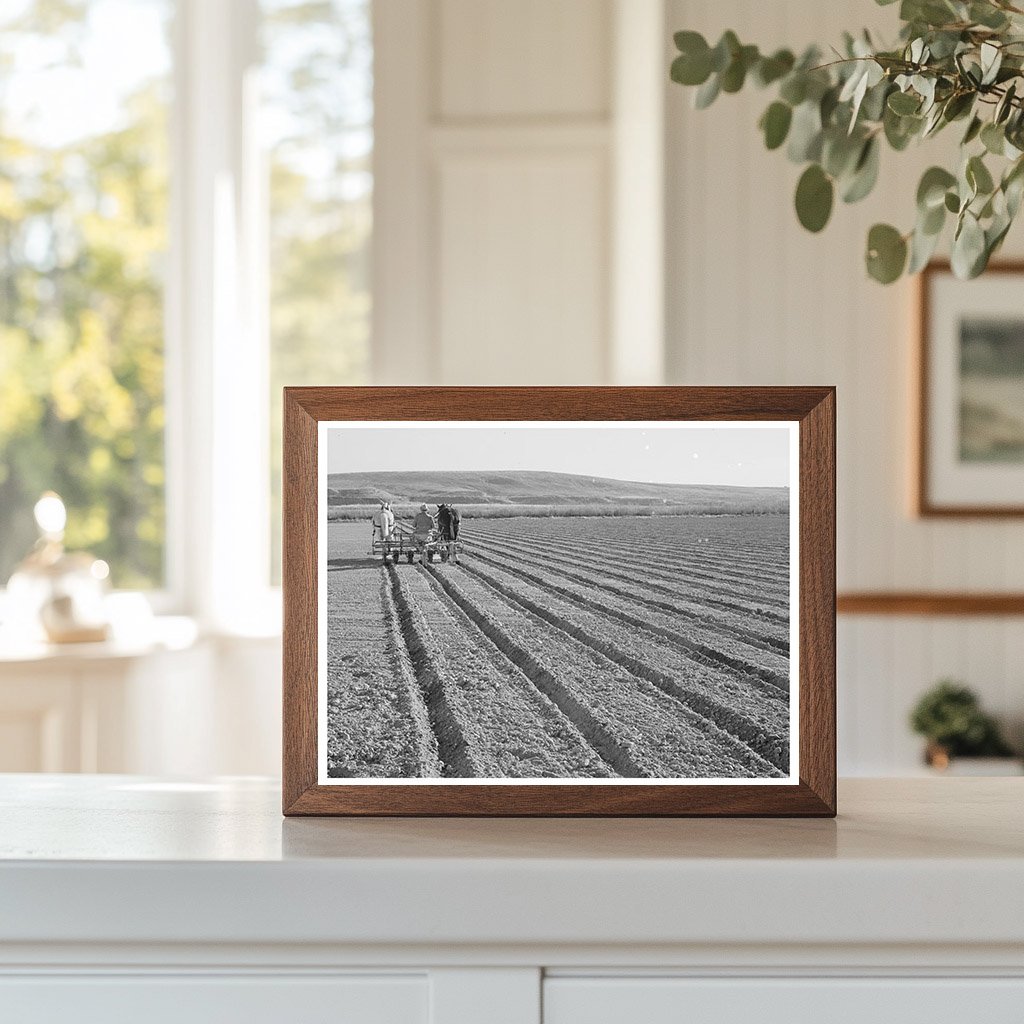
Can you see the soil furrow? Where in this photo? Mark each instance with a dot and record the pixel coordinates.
(509, 728)
(708, 594)
(768, 744)
(685, 602)
(617, 759)
(757, 544)
(445, 720)
(653, 616)
(664, 739)
(378, 724)
(683, 566)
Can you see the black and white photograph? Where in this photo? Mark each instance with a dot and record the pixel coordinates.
(596, 602)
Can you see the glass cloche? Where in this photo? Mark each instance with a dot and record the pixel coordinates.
(56, 595)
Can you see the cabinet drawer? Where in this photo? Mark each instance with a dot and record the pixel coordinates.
(782, 1001)
(202, 999)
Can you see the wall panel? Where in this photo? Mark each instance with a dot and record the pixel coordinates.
(520, 289)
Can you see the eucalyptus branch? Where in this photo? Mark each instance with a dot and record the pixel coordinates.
(955, 61)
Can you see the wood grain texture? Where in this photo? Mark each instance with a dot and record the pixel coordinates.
(923, 503)
(924, 603)
(812, 407)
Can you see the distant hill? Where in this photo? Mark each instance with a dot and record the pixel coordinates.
(522, 488)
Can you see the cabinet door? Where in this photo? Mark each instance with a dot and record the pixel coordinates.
(783, 1001)
(202, 999)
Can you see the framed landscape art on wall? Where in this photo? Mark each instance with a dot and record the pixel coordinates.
(559, 601)
(970, 451)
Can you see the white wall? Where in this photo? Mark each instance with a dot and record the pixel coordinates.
(754, 299)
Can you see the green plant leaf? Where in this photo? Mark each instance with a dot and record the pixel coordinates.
(794, 88)
(968, 255)
(814, 195)
(958, 106)
(993, 138)
(922, 247)
(805, 133)
(725, 49)
(978, 176)
(886, 254)
(952, 202)
(775, 124)
(693, 65)
(865, 173)
(904, 103)
(707, 93)
(900, 130)
(840, 152)
(987, 15)
(973, 130)
(931, 191)
(771, 69)
(735, 74)
(1005, 104)
(991, 57)
(931, 221)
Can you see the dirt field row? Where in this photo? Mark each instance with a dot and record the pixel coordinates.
(584, 648)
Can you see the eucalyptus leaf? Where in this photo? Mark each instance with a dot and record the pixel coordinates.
(978, 176)
(775, 124)
(904, 103)
(968, 248)
(805, 133)
(771, 69)
(1005, 105)
(931, 190)
(993, 138)
(735, 74)
(991, 60)
(707, 93)
(865, 173)
(973, 130)
(987, 15)
(886, 253)
(922, 248)
(814, 196)
(724, 51)
(794, 88)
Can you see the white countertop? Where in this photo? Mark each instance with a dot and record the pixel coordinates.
(121, 859)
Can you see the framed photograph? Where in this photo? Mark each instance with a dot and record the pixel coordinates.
(559, 601)
(970, 450)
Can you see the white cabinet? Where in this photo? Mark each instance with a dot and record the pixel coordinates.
(216, 1000)
(782, 1000)
(132, 899)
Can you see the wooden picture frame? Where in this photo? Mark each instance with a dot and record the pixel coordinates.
(810, 788)
(934, 476)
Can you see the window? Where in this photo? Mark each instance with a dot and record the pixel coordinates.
(83, 236)
(317, 117)
(124, 209)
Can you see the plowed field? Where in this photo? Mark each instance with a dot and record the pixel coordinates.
(583, 647)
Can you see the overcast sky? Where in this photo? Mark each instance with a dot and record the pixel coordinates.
(741, 455)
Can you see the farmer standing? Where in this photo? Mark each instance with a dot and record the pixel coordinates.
(378, 526)
(448, 523)
(387, 520)
(422, 527)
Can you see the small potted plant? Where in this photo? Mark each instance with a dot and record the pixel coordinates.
(950, 717)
